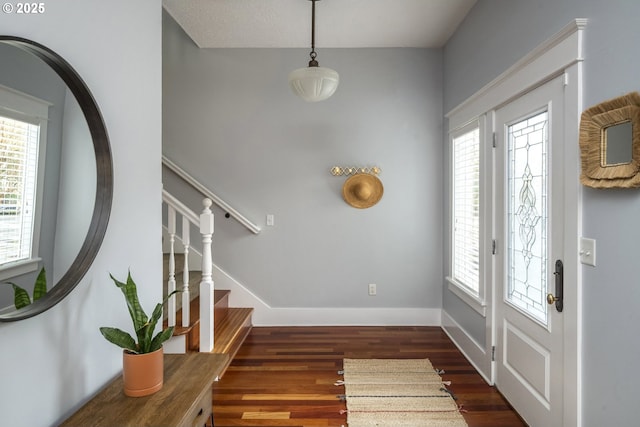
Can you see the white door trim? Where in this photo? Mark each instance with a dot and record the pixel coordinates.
(547, 60)
(562, 53)
(572, 270)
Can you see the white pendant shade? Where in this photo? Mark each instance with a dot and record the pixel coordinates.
(314, 83)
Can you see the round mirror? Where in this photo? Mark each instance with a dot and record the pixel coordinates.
(73, 191)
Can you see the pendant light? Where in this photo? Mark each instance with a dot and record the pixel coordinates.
(314, 83)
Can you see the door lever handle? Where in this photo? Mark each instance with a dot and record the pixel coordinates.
(557, 298)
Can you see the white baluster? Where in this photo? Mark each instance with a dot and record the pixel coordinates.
(186, 293)
(206, 285)
(171, 283)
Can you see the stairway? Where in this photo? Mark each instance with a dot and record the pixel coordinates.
(231, 324)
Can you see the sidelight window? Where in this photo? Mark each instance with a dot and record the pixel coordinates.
(467, 196)
(466, 210)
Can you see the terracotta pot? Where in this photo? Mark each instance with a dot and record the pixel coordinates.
(143, 374)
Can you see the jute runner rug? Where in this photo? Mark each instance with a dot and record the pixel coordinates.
(397, 392)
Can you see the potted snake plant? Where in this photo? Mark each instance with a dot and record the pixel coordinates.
(142, 367)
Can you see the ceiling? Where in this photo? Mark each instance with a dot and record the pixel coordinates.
(339, 23)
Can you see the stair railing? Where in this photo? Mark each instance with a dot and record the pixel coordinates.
(176, 208)
(210, 194)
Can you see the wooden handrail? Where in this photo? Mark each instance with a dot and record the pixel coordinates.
(211, 195)
(183, 209)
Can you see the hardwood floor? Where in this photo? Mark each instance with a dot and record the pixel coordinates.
(284, 376)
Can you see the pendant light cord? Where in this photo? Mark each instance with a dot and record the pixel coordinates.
(313, 54)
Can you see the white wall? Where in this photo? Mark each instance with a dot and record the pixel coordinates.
(53, 362)
(77, 189)
(493, 37)
(231, 120)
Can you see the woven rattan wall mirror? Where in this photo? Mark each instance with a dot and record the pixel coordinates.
(610, 143)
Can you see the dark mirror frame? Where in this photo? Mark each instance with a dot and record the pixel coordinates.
(104, 179)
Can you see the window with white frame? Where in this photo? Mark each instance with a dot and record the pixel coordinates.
(470, 190)
(18, 174)
(465, 197)
(22, 138)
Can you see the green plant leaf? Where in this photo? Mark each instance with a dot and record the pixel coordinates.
(20, 296)
(160, 338)
(157, 312)
(155, 316)
(40, 288)
(144, 337)
(120, 338)
(129, 289)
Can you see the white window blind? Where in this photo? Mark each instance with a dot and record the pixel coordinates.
(466, 210)
(19, 142)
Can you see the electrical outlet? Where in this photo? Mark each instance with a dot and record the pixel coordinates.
(372, 289)
(271, 220)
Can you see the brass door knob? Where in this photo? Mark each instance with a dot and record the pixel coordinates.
(551, 299)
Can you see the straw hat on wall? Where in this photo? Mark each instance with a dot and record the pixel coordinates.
(362, 190)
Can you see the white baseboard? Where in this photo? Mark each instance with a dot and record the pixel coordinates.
(470, 348)
(264, 315)
(307, 316)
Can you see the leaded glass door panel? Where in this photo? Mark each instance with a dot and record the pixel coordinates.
(527, 213)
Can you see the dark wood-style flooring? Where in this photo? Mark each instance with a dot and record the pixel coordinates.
(284, 376)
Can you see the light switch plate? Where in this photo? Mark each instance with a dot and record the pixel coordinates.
(588, 251)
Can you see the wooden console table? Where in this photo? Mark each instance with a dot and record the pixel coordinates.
(184, 400)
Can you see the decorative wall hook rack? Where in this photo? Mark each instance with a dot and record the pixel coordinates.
(352, 170)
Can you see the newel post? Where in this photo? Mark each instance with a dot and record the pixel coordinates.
(206, 285)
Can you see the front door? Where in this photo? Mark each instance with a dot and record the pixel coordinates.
(529, 223)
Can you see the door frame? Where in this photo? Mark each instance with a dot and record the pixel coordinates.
(561, 54)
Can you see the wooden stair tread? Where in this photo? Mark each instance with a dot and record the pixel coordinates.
(230, 327)
(231, 331)
(219, 296)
